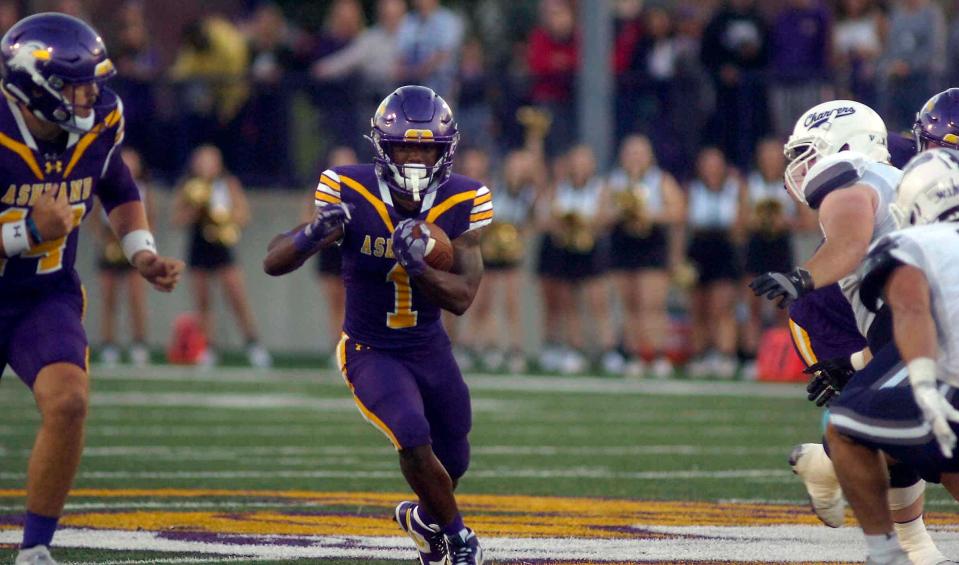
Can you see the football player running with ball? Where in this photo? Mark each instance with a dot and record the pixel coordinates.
(394, 353)
(60, 134)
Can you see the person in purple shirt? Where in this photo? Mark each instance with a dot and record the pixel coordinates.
(800, 47)
(394, 353)
(60, 130)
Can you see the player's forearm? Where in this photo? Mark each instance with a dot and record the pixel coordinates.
(127, 218)
(914, 329)
(836, 259)
(449, 291)
(285, 256)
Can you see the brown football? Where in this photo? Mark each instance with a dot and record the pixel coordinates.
(439, 249)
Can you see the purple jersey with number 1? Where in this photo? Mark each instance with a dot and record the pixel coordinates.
(42, 305)
(383, 310)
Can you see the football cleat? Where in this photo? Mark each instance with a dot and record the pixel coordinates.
(465, 548)
(428, 538)
(810, 462)
(36, 555)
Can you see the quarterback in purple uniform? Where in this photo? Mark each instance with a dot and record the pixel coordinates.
(394, 353)
(60, 129)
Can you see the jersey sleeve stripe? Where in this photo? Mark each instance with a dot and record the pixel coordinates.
(331, 175)
(481, 208)
(479, 224)
(480, 199)
(488, 215)
(323, 198)
(445, 205)
(334, 185)
(327, 190)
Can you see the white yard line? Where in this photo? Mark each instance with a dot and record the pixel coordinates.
(677, 543)
(530, 383)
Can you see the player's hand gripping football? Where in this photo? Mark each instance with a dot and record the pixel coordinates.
(787, 287)
(410, 248)
(828, 378)
(53, 215)
(162, 272)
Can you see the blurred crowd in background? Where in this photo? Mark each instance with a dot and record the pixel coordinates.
(692, 205)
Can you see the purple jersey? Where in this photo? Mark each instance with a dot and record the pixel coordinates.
(89, 166)
(383, 310)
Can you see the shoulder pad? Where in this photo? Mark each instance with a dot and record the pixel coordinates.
(875, 269)
(831, 173)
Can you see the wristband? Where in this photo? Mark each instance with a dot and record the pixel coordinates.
(922, 372)
(857, 360)
(137, 241)
(15, 240)
(34, 230)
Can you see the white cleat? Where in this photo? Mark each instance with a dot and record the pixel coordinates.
(36, 555)
(900, 558)
(810, 462)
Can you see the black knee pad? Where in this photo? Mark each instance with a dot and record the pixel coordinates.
(902, 476)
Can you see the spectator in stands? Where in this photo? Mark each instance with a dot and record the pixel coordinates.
(552, 55)
(373, 54)
(211, 203)
(10, 14)
(799, 45)
(691, 101)
(772, 219)
(263, 154)
(735, 53)
(912, 62)
(717, 202)
(116, 272)
(428, 43)
(857, 44)
(575, 256)
(473, 109)
(335, 97)
(504, 245)
(628, 29)
(210, 69)
(329, 264)
(644, 242)
(138, 65)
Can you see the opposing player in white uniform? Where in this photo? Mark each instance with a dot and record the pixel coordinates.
(838, 164)
(908, 411)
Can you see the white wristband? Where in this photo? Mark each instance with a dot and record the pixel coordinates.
(857, 360)
(15, 239)
(137, 241)
(922, 372)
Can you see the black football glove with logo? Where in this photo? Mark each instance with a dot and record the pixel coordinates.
(787, 287)
(828, 378)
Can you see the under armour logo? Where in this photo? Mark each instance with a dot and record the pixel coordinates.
(16, 231)
(52, 166)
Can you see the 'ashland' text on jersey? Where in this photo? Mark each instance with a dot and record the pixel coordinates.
(90, 165)
(383, 309)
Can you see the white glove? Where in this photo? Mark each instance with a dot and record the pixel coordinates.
(936, 410)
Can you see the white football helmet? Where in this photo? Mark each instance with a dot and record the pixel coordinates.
(929, 189)
(829, 128)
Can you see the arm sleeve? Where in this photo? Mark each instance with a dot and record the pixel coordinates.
(328, 189)
(116, 184)
(482, 212)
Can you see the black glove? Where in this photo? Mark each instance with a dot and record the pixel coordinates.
(829, 377)
(788, 287)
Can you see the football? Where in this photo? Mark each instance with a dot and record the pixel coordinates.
(439, 249)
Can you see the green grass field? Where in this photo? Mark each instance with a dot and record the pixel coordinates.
(232, 465)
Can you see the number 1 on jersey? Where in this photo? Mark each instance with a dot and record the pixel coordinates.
(403, 315)
(50, 253)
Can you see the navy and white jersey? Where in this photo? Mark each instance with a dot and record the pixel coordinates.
(650, 187)
(933, 249)
(514, 207)
(842, 170)
(584, 200)
(712, 209)
(760, 189)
